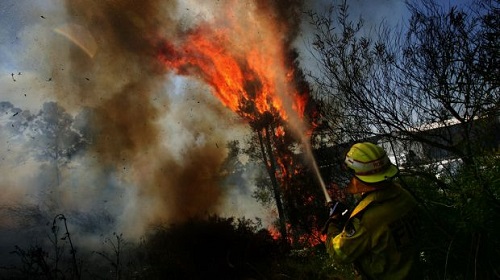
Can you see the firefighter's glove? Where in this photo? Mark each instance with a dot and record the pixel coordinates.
(338, 216)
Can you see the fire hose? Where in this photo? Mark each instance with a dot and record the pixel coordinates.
(338, 212)
(328, 199)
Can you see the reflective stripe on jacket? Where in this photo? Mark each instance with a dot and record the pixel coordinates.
(379, 235)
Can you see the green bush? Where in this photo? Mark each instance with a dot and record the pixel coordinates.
(462, 221)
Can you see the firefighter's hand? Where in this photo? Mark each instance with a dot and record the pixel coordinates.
(338, 215)
(337, 208)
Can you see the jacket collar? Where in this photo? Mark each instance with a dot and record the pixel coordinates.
(375, 196)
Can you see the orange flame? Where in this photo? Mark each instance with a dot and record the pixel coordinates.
(243, 57)
(245, 67)
(274, 232)
(245, 61)
(311, 239)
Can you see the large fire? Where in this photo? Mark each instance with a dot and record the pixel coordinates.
(244, 60)
(244, 57)
(246, 67)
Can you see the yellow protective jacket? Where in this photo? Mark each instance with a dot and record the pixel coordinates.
(379, 236)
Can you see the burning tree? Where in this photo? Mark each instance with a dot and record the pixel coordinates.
(254, 74)
(264, 127)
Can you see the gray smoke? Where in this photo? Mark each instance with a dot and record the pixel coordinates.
(95, 128)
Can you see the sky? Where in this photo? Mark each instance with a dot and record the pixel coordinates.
(151, 147)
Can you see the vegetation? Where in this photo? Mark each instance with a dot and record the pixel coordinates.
(428, 93)
(211, 248)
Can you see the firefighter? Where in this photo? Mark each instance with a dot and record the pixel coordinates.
(380, 235)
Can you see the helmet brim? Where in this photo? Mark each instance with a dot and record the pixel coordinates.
(379, 177)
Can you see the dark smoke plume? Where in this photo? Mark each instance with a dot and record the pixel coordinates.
(126, 77)
(129, 100)
(159, 158)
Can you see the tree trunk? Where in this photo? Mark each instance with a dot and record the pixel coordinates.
(267, 155)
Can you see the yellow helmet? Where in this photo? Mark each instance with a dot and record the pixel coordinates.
(370, 163)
